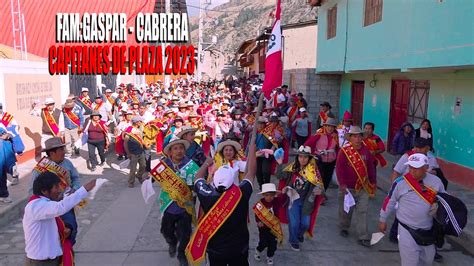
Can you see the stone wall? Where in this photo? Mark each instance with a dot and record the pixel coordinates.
(316, 89)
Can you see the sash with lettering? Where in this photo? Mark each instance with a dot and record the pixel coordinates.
(73, 117)
(6, 119)
(174, 187)
(67, 259)
(360, 168)
(52, 124)
(269, 219)
(372, 146)
(210, 224)
(428, 194)
(46, 165)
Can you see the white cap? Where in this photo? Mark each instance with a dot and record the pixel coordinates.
(268, 187)
(48, 101)
(417, 160)
(108, 90)
(224, 176)
(302, 109)
(85, 89)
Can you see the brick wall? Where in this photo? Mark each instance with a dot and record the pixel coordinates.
(315, 88)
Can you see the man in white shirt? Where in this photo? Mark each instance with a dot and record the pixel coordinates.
(41, 224)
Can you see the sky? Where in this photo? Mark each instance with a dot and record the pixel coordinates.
(195, 12)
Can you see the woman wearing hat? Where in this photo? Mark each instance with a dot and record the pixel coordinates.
(324, 145)
(194, 152)
(97, 137)
(173, 130)
(229, 152)
(302, 180)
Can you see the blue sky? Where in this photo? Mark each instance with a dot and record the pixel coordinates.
(195, 12)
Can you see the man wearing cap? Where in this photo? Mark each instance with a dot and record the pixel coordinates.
(229, 244)
(135, 150)
(124, 124)
(415, 192)
(85, 101)
(176, 221)
(355, 170)
(344, 128)
(55, 162)
(73, 120)
(53, 121)
(324, 114)
(103, 108)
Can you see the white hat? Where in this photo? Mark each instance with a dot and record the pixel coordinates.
(224, 176)
(268, 187)
(48, 101)
(108, 90)
(417, 160)
(85, 89)
(175, 141)
(302, 109)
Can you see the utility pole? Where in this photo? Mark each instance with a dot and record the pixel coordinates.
(203, 4)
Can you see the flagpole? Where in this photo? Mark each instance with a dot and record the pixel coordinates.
(253, 136)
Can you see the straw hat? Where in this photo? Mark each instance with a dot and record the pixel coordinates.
(228, 142)
(69, 104)
(355, 130)
(185, 130)
(173, 142)
(96, 114)
(268, 188)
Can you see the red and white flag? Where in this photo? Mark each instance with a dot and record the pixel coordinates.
(273, 62)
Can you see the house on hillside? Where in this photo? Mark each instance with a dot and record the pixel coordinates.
(406, 61)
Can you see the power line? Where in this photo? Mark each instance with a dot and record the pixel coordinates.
(222, 11)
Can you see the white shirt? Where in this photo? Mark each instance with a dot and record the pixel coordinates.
(148, 117)
(104, 111)
(39, 224)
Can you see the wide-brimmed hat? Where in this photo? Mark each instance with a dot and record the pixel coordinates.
(237, 112)
(49, 101)
(173, 142)
(262, 120)
(52, 143)
(178, 119)
(304, 150)
(268, 188)
(355, 130)
(84, 89)
(137, 119)
(182, 105)
(96, 114)
(186, 129)
(193, 114)
(330, 122)
(229, 142)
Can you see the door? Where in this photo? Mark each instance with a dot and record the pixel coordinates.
(398, 106)
(110, 81)
(77, 82)
(357, 102)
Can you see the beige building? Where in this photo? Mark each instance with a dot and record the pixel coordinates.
(299, 45)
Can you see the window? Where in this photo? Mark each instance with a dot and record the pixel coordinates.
(373, 12)
(418, 101)
(332, 22)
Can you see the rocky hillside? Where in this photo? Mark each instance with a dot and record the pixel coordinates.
(239, 20)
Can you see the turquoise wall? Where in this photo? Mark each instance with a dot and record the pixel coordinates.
(412, 34)
(453, 133)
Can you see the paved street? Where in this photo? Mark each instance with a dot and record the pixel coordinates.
(118, 228)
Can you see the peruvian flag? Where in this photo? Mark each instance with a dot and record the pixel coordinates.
(273, 62)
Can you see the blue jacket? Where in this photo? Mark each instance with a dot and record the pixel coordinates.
(402, 143)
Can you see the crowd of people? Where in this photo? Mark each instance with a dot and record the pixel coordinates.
(212, 140)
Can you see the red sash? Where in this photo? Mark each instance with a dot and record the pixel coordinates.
(291, 113)
(360, 168)
(86, 101)
(97, 106)
(372, 146)
(111, 100)
(72, 116)
(269, 219)
(324, 117)
(52, 124)
(428, 194)
(134, 99)
(136, 138)
(210, 224)
(6, 119)
(67, 259)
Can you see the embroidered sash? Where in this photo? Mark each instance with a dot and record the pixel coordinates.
(50, 122)
(360, 169)
(86, 101)
(372, 146)
(98, 105)
(72, 116)
(251, 119)
(210, 224)
(46, 165)
(175, 187)
(6, 119)
(136, 138)
(269, 219)
(67, 259)
(269, 133)
(428, 194)
(310, 172)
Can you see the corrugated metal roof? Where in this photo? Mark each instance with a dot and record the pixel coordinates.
(40, 18)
